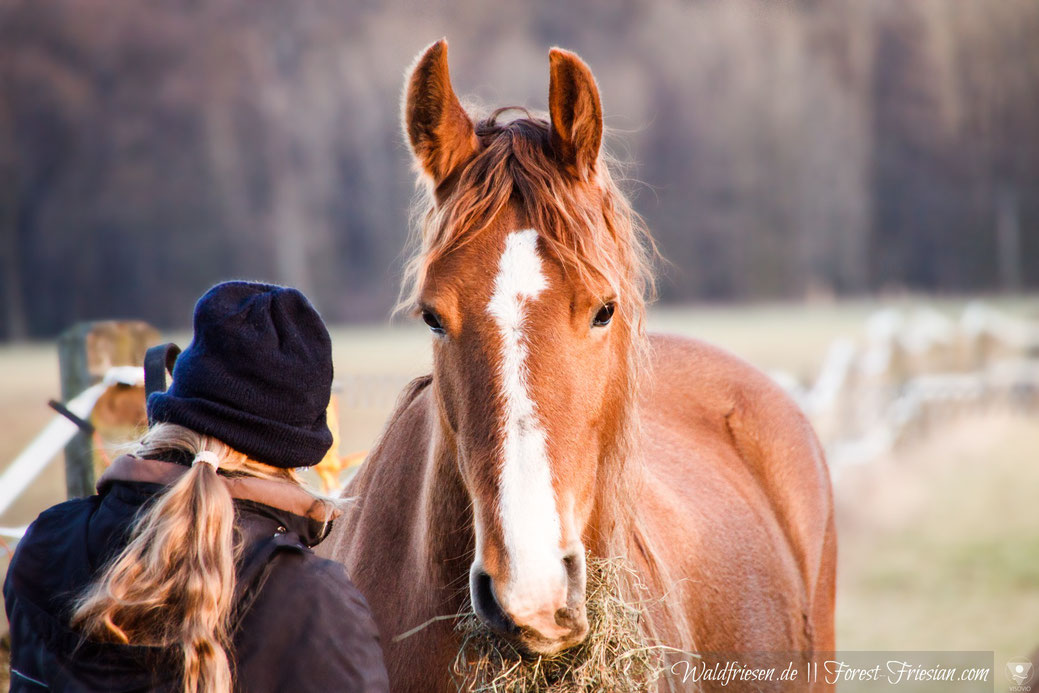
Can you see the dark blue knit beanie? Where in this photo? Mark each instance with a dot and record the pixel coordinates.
(257, 375)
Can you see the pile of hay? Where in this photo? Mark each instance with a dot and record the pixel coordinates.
(616, 655)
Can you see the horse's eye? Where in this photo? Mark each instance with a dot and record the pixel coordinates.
(431, 319)
(605, 314)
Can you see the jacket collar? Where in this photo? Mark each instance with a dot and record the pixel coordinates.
(288, 504)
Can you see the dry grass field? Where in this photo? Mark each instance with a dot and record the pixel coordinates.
(939, 545)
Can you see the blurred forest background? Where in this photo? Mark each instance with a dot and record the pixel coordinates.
(881, 153)
(786, 150)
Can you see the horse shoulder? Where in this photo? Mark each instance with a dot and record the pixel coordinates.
(721, 396)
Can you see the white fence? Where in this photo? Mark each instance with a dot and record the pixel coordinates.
(912, 370)
(52, 439)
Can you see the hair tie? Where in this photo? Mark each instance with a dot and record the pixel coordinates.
(207, 457)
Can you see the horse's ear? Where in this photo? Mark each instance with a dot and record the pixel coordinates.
(440, 131)
(576, 112)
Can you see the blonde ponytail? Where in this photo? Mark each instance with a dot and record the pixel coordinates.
(173, 585)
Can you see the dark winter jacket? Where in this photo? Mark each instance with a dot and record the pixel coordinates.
(299, 624)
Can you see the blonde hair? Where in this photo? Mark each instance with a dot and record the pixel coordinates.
(173, 584)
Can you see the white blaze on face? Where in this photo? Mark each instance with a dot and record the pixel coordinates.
(530, 520)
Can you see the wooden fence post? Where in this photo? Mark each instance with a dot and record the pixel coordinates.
(85, 352)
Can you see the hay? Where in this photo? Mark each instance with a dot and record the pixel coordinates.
(616, 655)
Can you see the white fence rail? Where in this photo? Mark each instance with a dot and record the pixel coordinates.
(52, 439)
(910, 370)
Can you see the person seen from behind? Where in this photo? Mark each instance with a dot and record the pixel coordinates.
(191, 569)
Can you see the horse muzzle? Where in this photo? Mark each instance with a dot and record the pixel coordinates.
(545, 621)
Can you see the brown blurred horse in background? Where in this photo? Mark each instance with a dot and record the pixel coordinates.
(553, 427)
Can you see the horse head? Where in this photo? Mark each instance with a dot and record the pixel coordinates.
(531, 278)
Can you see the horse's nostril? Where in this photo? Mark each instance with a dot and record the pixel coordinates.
(566, 618)
(573, 563)
(486, 605)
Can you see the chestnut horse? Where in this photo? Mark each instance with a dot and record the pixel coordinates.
(552, 427)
